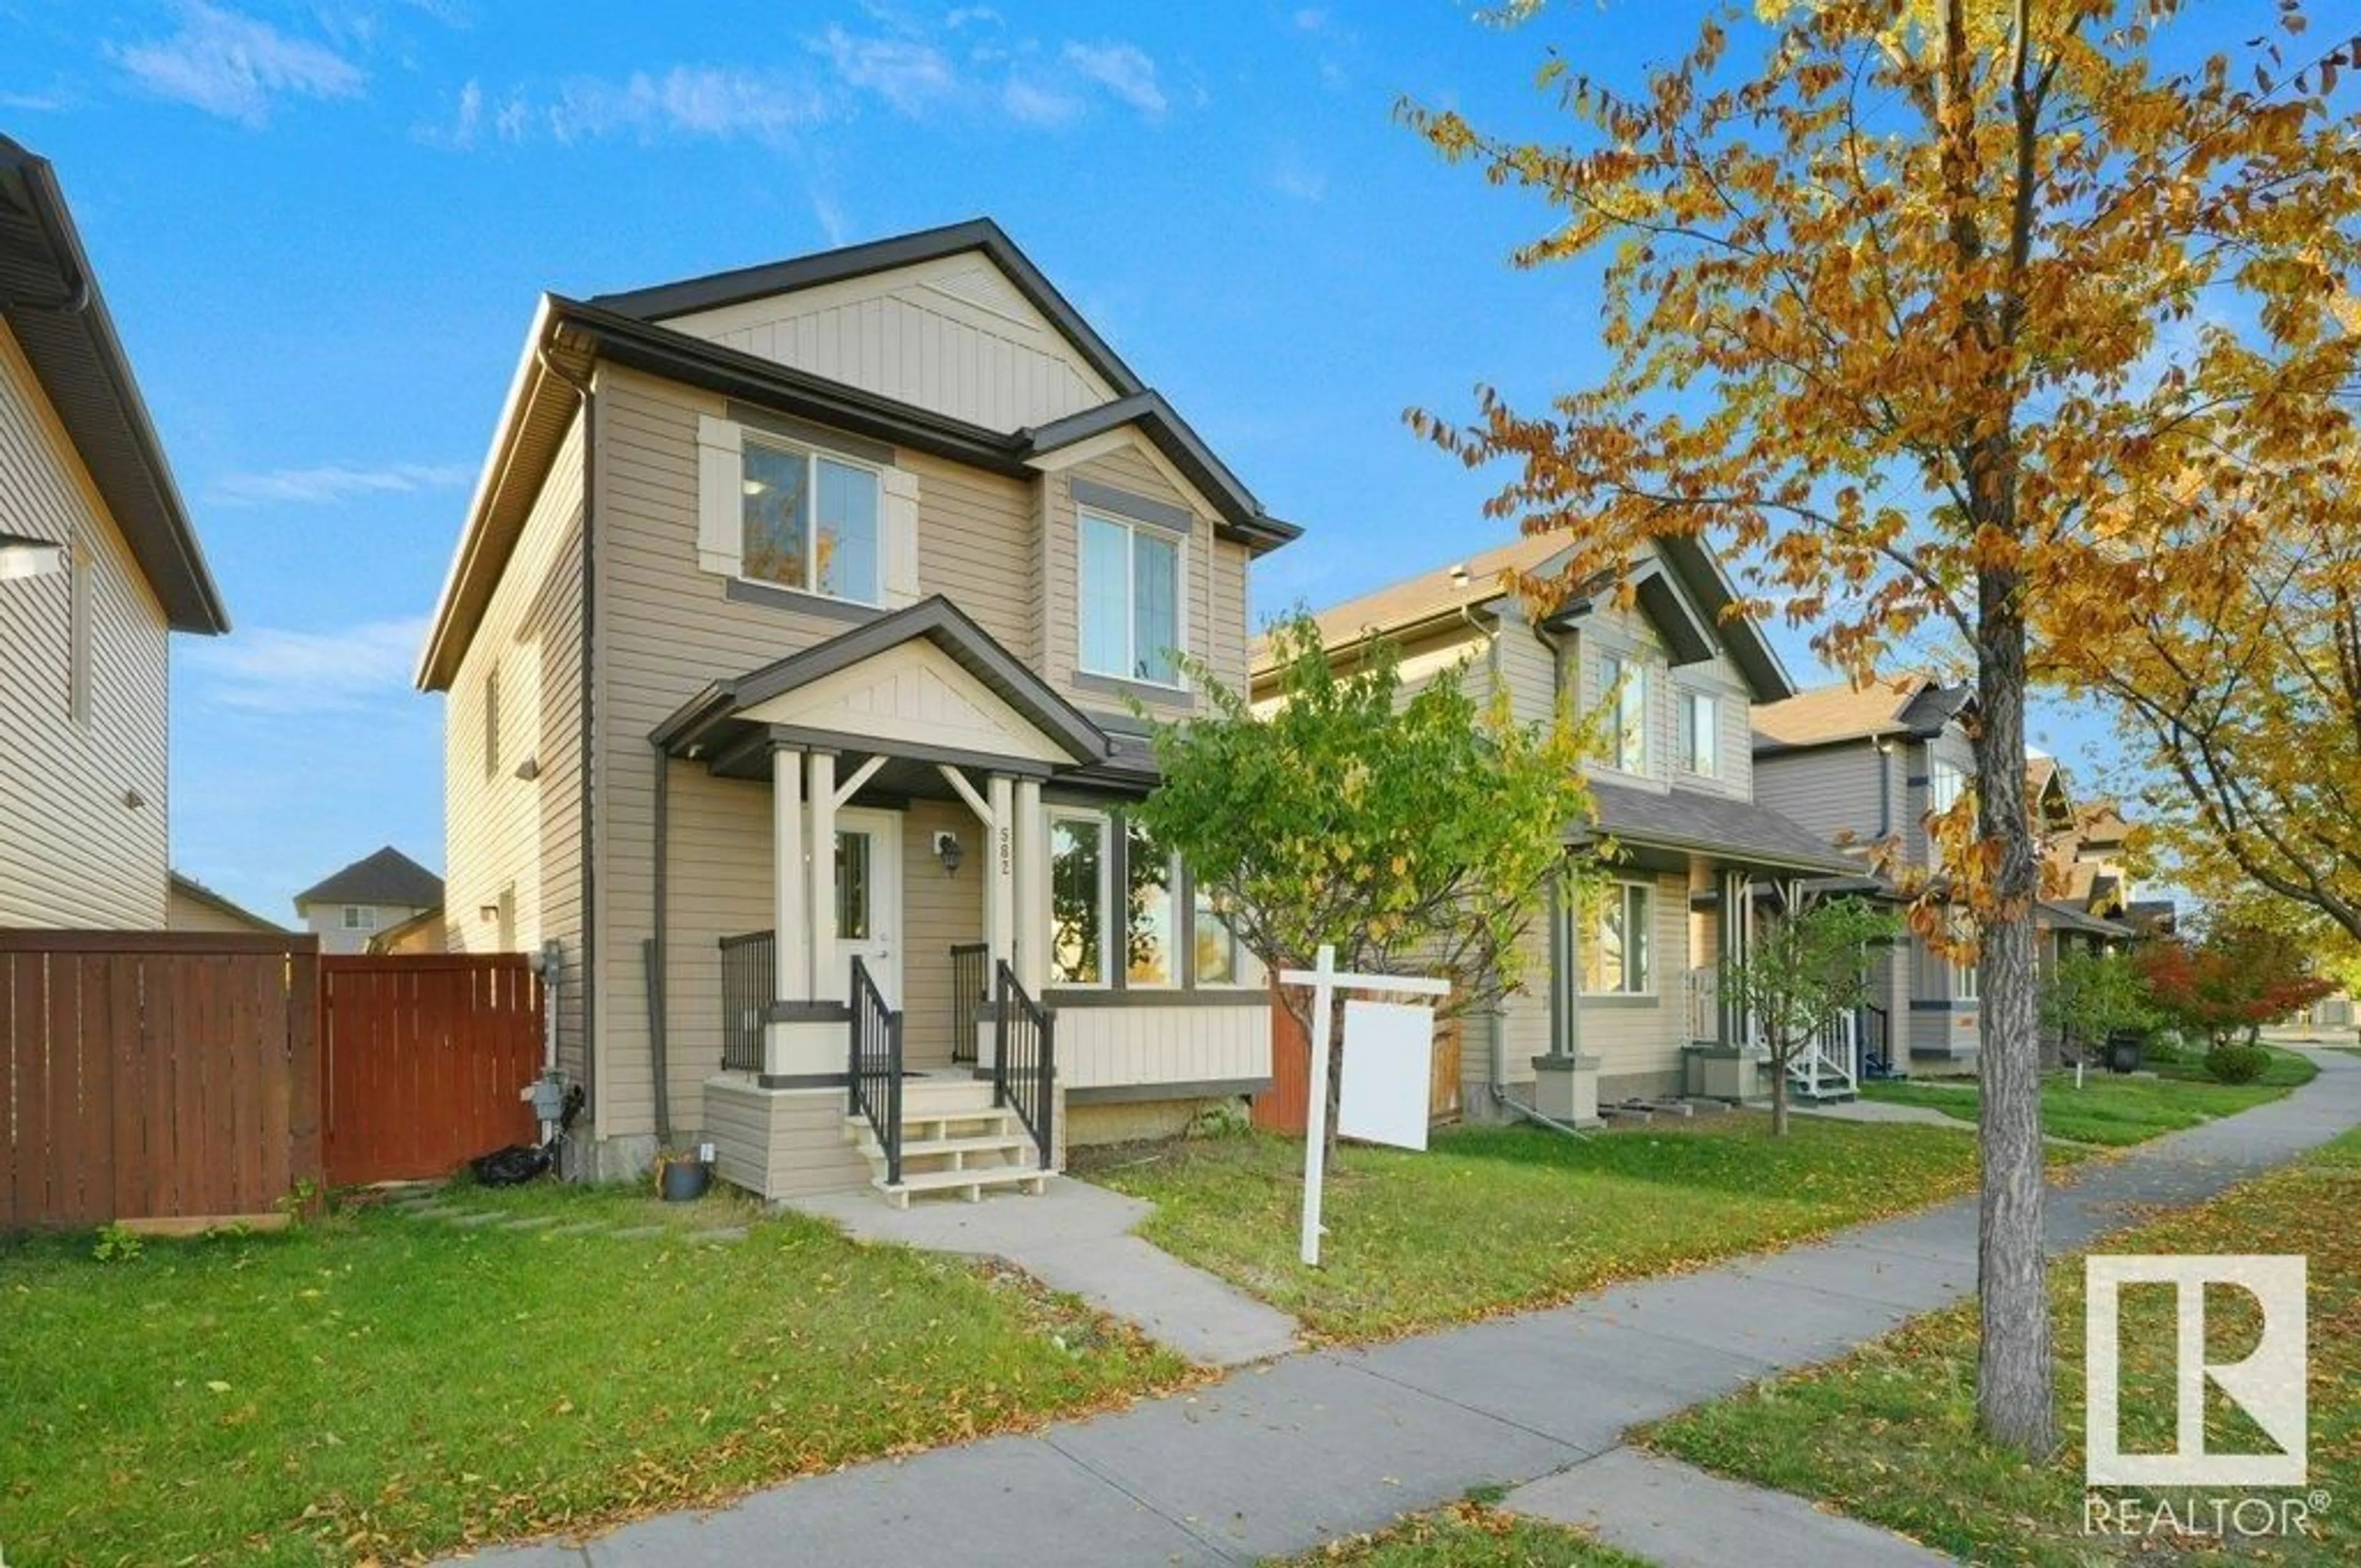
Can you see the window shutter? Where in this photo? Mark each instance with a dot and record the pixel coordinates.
(899, 543)
(720, 511)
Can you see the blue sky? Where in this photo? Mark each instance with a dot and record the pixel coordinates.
(322, 228)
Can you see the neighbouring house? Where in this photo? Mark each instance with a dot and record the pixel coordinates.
(1625, 1001)
(789, 649)
(98, 565)
(422, 933)
(379, 893)
(194, 906)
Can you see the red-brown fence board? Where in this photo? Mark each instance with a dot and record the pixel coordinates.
(153, 1075)
(425, 1056)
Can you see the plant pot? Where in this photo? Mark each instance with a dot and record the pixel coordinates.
(684, 1181)
(2124, 1049)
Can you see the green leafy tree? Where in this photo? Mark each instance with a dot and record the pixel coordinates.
(1805, 971)
(1419, 834)
(2087, 996)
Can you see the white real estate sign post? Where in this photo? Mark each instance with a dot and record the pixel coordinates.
(1398, 1039)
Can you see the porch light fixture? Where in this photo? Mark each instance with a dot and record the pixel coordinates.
(22, 556)
(948, 850)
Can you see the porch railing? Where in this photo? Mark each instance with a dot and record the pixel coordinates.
(875, 1071)
(749, 975)
(971, 990)
(1876, 1041)
(1024, 1060)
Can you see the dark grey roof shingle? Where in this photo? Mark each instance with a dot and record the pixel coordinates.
(1688, 819)
(386, 877)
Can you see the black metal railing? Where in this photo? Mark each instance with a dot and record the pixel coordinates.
(875, 1070)
(1024, 1060)
(749, 983)
(1876, 1041)
(971, 992)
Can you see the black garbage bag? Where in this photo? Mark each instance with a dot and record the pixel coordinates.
(519, 1163)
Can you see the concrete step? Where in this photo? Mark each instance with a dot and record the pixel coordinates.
(967, 1184)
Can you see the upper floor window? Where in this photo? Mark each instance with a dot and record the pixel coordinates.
(809, 519)
(1626, 682)
(1618, 959)
(1967, 979)
(1945, 782)
(360, 917)
(1130, 601)
(1700, 721)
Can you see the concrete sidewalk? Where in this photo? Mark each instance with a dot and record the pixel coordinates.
(1280, 1458)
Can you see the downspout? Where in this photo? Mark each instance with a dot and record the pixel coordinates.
(654, 955)
(589, 402)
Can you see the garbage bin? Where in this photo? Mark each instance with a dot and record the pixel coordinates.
(2124, 1049)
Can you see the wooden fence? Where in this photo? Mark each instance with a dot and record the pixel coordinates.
(425, 1055)
(1285, 1106)
(164, 1075)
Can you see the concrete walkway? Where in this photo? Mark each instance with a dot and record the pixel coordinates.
(1076, 1237)
(1884, 1111)
(1282, 1457)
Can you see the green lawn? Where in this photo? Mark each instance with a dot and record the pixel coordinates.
(1491, 1218)
(1888, 1434)
(380, 1387)
(2115, 1109)
(1467, 1536)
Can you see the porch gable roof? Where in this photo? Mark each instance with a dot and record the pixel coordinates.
(724, 712)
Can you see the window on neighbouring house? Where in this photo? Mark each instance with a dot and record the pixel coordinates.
(809, 519)
(1130, 601)
(78, 649)
(1078, 900)
(360, 917)
(1967, 978)
(1618, 960)
(1624, 681)
(1700, 733)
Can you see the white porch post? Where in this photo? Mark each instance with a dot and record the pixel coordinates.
(1032, 935)
(789, 943)
(1000, 871)
(827, 984)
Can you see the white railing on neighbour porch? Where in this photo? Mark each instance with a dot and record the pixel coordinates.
(1829, 1064)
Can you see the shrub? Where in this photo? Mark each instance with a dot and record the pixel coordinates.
(2237, 1064)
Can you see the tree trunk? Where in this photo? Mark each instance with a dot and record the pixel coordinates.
(1336, 1073)
(2014, 1394)
(1779, 1060)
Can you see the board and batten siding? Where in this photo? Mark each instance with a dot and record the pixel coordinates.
(1110, 1047)
(952, 334)
(75, 851)
(513, 844)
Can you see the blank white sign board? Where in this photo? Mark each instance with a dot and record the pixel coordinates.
(1388, 1052)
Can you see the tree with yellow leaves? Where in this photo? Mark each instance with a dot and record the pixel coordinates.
(1895, 310)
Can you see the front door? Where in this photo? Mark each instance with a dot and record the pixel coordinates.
(869, 897)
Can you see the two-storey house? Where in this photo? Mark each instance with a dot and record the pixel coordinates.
(789, 648)
(98, 565)
(350, 908)
(1622, 1000)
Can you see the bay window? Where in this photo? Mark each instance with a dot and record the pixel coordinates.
(1077, 899)
(1130, 601)
(1110, 883)
(808, 520)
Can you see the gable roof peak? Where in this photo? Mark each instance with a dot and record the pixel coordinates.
(388, 876)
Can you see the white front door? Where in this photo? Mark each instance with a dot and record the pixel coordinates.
(869, 897)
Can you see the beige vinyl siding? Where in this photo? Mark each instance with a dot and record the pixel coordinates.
(1149, 1045)
(1611, 632)
(718, 885)
(1832, 790)
(183, 912)
(952, 334)
(976, 547)
(73, 853)
(507, 838)
(937, 912)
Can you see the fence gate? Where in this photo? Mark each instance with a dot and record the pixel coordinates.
(425, 1056)
(146, 1075)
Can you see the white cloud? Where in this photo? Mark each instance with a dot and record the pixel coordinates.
(711, 103)
(909, 74)
(1036, 102)
(330, 484)
(275, 671)
(1123, 69)
(959, 16)
(232, 66)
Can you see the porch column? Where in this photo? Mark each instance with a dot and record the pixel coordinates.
(791, 967)
(1000, 873)
(1737, 926)
(828, 982)
(1032, 933)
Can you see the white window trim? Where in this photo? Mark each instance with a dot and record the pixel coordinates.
(359, 917)
(1623, 889)
(755, 435)
(1083, 516)
(1691, 698)
(1107, 827)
